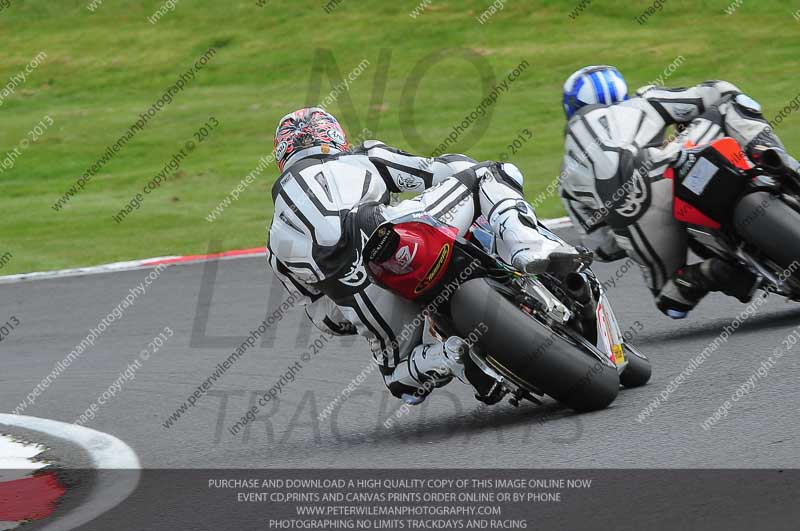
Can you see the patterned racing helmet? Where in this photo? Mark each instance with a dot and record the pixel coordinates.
(306, 132)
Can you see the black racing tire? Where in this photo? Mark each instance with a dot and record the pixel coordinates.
(772, 226)
(532, 352)
(638, 370)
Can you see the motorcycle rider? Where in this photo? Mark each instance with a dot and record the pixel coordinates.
(329, 199)
(612, 181)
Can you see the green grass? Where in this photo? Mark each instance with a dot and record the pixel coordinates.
(104, 68)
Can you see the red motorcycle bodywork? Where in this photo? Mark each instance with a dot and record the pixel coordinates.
(682, 210)
(419, 260)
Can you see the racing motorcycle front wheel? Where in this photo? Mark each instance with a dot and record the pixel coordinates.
(517, 344)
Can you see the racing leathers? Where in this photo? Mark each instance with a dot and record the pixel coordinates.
(326, 208)
(613, 187)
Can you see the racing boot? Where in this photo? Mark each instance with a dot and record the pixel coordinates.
(681, 293)
(519, 242)
(729, 279)
(691, 283)
(427, 368)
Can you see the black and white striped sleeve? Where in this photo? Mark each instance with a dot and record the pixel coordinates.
(404, 172)
(327, 316)
(292, 284)
(320, 309)
(682, 105)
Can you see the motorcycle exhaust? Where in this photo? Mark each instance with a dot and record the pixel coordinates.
(578, 287)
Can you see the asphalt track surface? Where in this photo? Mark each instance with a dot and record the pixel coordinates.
(451, 430)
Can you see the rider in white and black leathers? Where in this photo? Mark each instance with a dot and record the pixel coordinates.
(612, 181)
(328, 201)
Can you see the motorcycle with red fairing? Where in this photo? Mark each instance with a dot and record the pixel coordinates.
(530, 335)
(742, 209)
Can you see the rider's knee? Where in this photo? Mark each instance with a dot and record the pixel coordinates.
(509, 174)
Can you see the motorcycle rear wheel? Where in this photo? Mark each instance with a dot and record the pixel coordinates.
(766, 222)
(530, 353)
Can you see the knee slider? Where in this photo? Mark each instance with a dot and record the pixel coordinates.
(399, 389)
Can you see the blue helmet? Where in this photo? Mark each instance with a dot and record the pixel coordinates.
(592, 85)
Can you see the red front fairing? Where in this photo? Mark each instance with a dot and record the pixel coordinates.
(413, 264)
